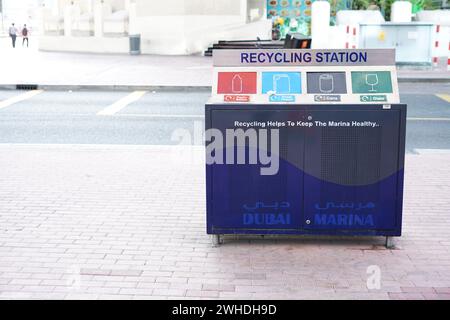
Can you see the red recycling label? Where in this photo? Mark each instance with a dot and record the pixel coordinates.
(236, 98)
(236, 83)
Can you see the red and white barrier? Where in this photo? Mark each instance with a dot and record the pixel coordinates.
(347, 36)
(448, 57)
(351, 39)
(355, 38)
(436, 45)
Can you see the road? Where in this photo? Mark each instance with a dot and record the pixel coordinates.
(151, 118)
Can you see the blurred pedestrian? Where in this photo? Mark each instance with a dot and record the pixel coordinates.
(25, 35)
(13, 34)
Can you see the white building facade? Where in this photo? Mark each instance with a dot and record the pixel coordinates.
(166, 27)
(19, 12)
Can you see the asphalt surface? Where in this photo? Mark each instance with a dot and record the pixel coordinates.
(64, 117)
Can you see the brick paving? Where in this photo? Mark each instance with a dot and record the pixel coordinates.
(80, 222)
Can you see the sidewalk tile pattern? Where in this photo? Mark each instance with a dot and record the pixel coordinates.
(115, 223)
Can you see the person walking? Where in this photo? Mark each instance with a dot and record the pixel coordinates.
(25, 35)
(13, 34)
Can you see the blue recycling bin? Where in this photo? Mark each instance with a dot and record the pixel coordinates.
(343, 179)
(305, 142)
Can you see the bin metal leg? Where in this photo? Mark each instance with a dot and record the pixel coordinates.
(216, 240)
(390, 242)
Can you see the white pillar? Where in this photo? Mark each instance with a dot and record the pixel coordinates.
(41, 20)
(58, 9)
(244, 11)
(98, 19)
(401, 11)
(320, 24)
(132, 16)
(68, 21)
(55, 9)
(126, 5)
(90, 6)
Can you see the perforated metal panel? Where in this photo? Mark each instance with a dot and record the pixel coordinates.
(350, 156)
(351, 170)
(237, 187)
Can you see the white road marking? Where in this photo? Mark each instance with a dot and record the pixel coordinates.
(443, 96)
(19, 98)
(122, 103)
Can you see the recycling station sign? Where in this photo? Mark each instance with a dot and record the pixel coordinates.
(305, 76)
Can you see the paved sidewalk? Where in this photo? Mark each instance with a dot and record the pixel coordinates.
(30, 66)
(128, 222)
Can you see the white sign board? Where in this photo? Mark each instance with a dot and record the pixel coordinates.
(305, 76)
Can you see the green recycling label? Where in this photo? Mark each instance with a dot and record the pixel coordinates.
(373, 98)
(371, 82)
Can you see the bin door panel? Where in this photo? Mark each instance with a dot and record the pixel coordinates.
(351, 171)
(244, 199)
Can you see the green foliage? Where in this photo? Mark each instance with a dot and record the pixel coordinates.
(360, 4)
(425, 5)
(383, 5)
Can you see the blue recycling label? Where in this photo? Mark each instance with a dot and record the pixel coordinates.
(281, 98)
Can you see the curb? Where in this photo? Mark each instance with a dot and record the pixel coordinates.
(58, 87)
(163, 88)
(416, 80)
